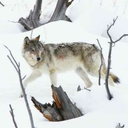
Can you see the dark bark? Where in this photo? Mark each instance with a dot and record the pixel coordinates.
(61, 109)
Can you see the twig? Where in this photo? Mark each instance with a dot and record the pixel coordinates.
(119, 126)
(79, 88)
(2, 4)
(12, 114)
(87, 89)
(23, 77)
(101, 61)
(120, 38)
(17, 67)
(109, 27)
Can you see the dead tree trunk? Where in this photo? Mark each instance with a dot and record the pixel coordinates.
(59, 13)
(61, 109)
(32, 21)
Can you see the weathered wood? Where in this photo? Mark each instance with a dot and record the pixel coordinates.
(67, 109)
(59, 13)
(49, 111)
(61, 109)
(32, 21)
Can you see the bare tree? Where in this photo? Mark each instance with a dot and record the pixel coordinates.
(111, 44)
(17, 68)
(32, 21)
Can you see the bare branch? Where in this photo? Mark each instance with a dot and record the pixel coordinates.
(23, 77)
(13, 118)
(119, 126)
(87, 89)
(120, 38)
(101, 61)
(109, 27)
(2, 4)
(11, 55)
(17, 67)
(12, 63)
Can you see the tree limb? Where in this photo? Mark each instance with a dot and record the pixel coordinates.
(109, 27)
(13, 118)
(119, 126)
(101, 62)
(2, 4)
(17, 67)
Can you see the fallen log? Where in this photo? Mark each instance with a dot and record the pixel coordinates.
(61, 109)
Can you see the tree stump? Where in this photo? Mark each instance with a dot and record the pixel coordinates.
(61, 109)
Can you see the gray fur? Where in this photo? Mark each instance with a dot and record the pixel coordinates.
(81, 57)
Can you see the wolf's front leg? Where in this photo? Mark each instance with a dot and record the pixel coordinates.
(53, 77)
(34, 75)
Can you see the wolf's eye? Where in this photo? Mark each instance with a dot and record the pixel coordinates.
(32, 50)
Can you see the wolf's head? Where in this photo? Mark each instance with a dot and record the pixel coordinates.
(33, 50)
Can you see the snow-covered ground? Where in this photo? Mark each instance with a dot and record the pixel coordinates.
(90, 19)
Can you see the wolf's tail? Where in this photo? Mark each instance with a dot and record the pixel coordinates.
(115, 78)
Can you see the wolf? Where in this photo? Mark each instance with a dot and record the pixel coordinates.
(81, 57)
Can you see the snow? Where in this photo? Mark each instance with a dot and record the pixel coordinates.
(89, 23)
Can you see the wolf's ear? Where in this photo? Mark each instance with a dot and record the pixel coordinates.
(26, 40)
(37, 38)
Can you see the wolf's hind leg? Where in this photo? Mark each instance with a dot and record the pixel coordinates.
(82, 74)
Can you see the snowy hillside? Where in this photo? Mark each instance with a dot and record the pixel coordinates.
(89, 23)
